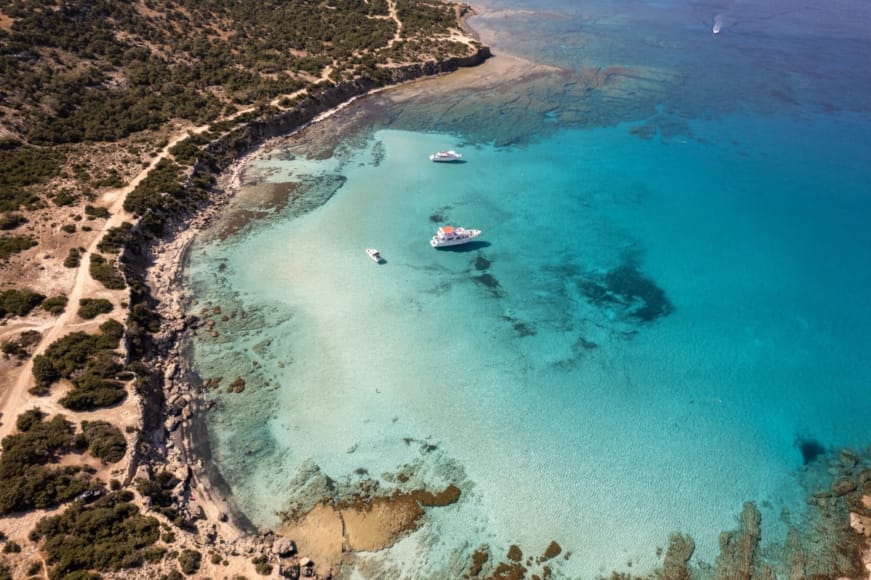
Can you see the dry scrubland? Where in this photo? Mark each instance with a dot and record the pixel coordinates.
(115, 119)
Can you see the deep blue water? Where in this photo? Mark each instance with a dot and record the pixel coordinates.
(669, 309)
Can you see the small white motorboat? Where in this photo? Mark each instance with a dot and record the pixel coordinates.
(450, 156)
(375, 255)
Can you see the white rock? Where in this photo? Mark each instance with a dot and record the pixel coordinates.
(856, 523)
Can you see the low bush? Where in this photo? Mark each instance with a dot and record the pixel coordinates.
(10, 221)
(262, 565)
(10, 245)
(73, 259)
(108, 535)
(79, 352)
(96, 212)
(90, 308)
(93, 392)
(68, 228)
(55, 305)
(116, 238)
(106, 273)
(190, 561)
(105, 441)
(20, 347)
(19, 302)
(64, 198)
(26, 480)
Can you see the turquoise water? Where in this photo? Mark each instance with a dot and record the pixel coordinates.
(670, 292)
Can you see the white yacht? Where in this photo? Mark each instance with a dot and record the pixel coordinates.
(375, 255)
(450, 156)
(451, 236)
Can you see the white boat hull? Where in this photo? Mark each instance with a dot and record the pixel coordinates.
(470, 235)
(446, 157)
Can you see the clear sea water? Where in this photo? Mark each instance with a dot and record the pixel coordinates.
(671, 292)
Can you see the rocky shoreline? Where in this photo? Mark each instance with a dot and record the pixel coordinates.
(174, 436)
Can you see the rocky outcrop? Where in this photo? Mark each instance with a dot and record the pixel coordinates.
(680, 550)
(738, 547)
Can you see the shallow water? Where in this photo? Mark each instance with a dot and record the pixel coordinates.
(669, 295)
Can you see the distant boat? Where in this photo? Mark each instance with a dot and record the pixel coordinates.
(450, 156)
(451, 236)
(375, 255)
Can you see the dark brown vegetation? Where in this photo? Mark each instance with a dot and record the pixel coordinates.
(104, 441)
(184, 59)
(20, 347)
(27, 480)
(109, 534)
(92, 307)
(19, 302)
(89, 361)
(105, 272)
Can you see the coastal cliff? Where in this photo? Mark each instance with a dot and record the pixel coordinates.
(174, 438)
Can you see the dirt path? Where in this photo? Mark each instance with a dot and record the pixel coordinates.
(17, 399)
(391, 5)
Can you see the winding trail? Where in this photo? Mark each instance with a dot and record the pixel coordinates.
(17, 399)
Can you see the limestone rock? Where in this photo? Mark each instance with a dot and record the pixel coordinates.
(283, 547)
(856, 523)
(680, 550)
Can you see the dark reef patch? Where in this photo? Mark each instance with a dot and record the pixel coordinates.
(810, 449)
(521, 328)
(489, 282)
(625, 286)
(482, 263)
(440, 215)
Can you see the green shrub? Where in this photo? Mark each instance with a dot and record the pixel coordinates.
(96, 212)
(19, 302)
(190, 561)
(11, 548)
(5, 572)
(105, 441)
(91, 391)
(73, 259)
(34, 569)
(68, 228)
(116, 238)
(106, 273)
(22, 168)
(64, 198)
(28, 419)
(10, 221)
(108, 535)
(79, 352)
(10, 245)
(90, 308)
(20, 348)
(26, 480)
(55, 305)
(262, 565)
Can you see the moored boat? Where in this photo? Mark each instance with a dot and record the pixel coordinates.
(449, 156)
(375, 255)
(451, 236)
